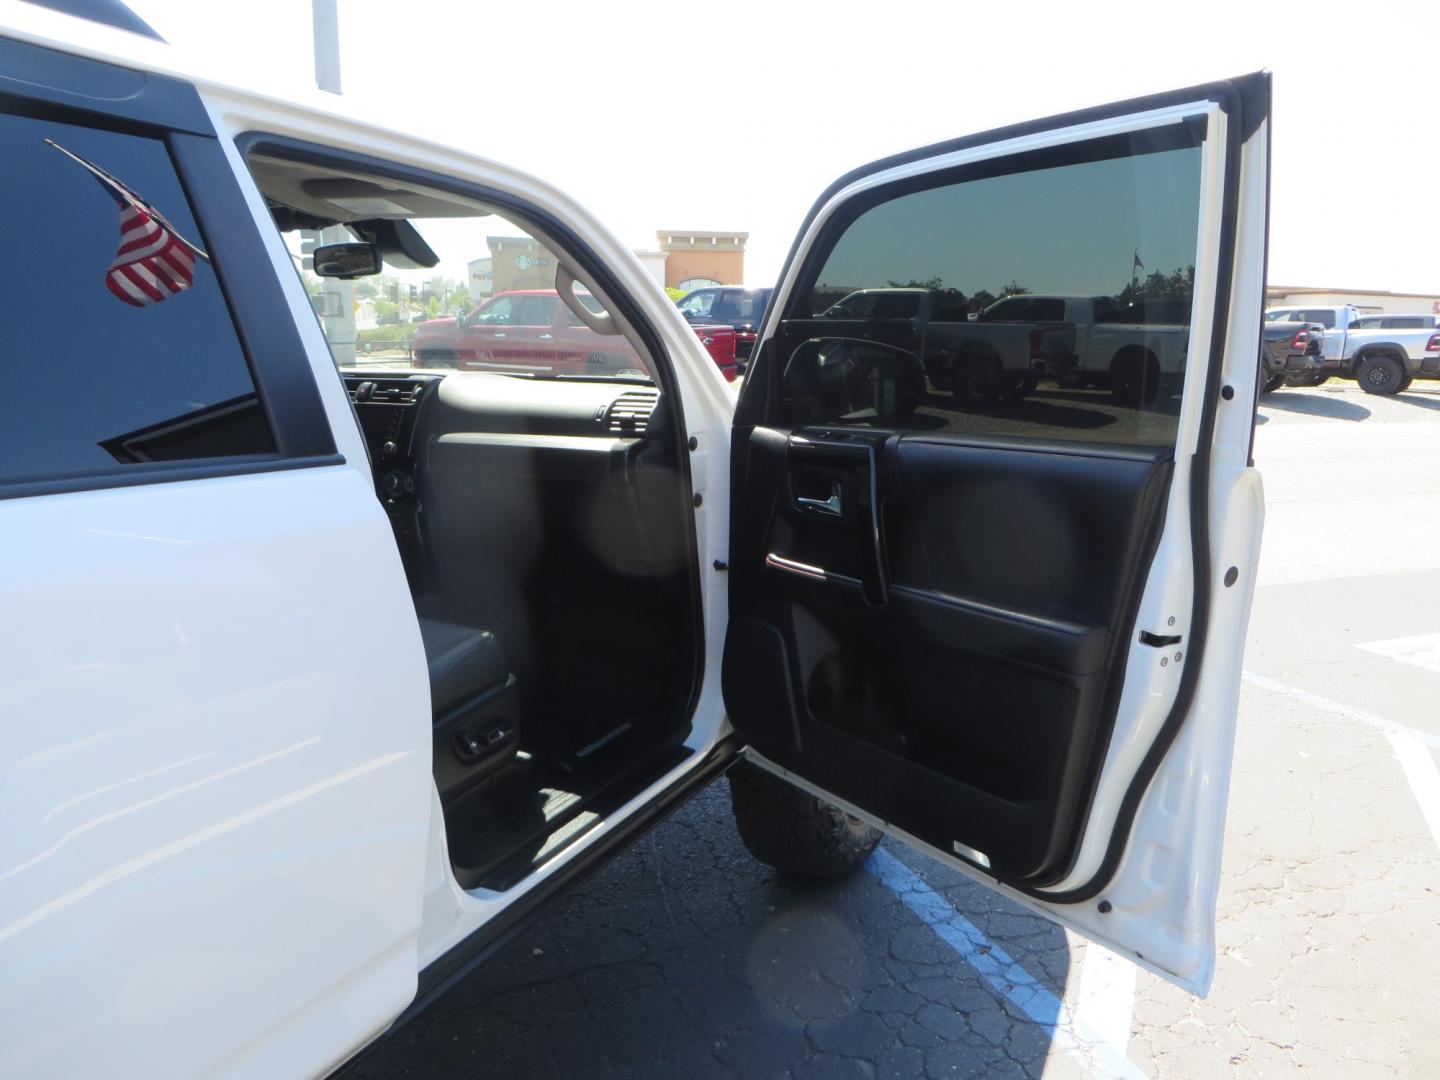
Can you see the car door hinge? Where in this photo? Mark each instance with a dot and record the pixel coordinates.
(720, 565)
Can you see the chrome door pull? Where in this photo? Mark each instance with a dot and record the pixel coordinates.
(831, 506)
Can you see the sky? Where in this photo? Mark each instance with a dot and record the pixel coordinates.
(737, 115)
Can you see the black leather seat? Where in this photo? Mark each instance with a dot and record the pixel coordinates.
(463, 662)
(474, 704)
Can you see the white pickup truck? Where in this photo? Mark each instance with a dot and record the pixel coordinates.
(1134, 349)
(1383, 359)
(1004, 350)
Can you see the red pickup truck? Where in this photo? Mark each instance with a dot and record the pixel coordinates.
(532, 331)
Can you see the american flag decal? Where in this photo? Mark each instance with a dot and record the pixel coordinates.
(154, 261)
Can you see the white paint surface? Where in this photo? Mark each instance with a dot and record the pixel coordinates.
(1422, 650)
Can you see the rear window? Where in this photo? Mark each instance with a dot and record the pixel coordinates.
(121, 363)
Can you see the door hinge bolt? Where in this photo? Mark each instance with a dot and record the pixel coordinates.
(720, 566)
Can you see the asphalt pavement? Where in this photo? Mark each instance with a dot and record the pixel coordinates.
(686, 958)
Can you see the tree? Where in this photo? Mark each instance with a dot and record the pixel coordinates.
(980, 299)
(1179, 284)
(928, 283)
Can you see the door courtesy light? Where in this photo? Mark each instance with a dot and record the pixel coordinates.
(969, 854)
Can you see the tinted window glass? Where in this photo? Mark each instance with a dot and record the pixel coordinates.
(1104, 232)
(108, 384)
(698, 304)
(537, 310)
(1323, 316)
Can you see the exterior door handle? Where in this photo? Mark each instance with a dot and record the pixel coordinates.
(831, 506)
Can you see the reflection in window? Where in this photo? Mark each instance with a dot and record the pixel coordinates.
(1029, 296)
(106, 383)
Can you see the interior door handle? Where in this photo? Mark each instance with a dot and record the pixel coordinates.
(831, 506)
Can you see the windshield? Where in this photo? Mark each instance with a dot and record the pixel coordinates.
(460, 287)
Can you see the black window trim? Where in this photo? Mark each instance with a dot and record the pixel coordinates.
(171, 112)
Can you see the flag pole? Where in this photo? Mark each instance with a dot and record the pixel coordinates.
(129, 196)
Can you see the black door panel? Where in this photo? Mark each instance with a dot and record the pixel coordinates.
(953, 668)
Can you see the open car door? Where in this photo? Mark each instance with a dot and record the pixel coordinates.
(990, 576)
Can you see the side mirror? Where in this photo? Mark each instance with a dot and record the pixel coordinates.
(346, 261)
(849, 379)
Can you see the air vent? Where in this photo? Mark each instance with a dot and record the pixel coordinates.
(383, 391)
(630, 413)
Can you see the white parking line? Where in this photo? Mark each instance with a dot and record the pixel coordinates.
(1422, 650)
(1335, 708)
(1006, 977)
(1412, 746)
(1419, 765)
(1107, 995)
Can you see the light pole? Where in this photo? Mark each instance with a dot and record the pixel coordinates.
(339, 295)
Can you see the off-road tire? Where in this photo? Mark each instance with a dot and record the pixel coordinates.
(1380, 374)
(440, 358)
(795, 832)
(1273, 383)
(1135, 377)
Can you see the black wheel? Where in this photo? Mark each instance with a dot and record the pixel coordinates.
(1405, 383)
(1312, 379)
(443, 358)
(1380, 374)
(794, 831)
(1021, 386)
(1134, 377)
(1273, 383)
(975, 376)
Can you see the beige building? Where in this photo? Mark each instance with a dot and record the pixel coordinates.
(694, 259)
(519, 262)
(1370, 300)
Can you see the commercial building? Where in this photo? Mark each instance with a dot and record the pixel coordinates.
(1377, 301)
(695, 259)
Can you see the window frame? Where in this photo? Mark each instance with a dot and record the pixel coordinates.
(170, 111)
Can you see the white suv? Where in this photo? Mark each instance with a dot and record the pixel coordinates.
(319, 677)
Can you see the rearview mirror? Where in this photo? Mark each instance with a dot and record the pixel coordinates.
(347, 260)
(849, 379)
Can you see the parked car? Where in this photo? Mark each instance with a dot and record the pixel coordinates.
(320, 681)
(530, 330)
(974, 361)
(1135, 350)
(1291, 355)
(736, 307)
(1383, 360)
(1396, 322)
(1007, 347)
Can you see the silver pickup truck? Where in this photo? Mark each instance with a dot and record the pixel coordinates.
(1382, 359)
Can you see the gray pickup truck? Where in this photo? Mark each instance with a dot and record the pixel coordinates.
(1291, 354)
